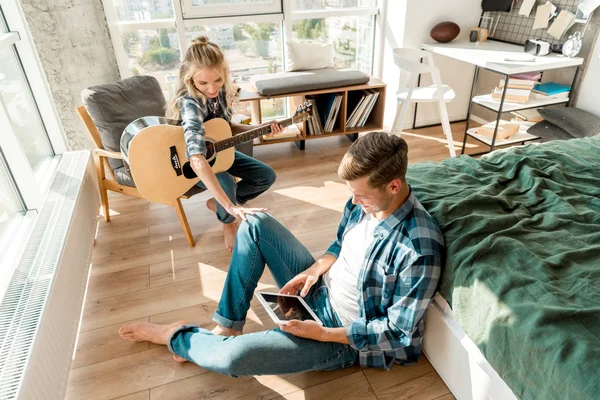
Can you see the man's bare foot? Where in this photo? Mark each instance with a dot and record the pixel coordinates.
(147, 332)
(229, 233)
(222, 331)
(211, 204)
(179, 359)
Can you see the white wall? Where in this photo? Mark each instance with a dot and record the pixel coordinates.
(408, 23)
(588, 92)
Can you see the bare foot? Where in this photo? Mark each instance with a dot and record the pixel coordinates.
(222, 331)
(211, 204)
(147, 332)
(179, 359)
(229, 233)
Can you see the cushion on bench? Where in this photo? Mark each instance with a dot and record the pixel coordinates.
(301, 81)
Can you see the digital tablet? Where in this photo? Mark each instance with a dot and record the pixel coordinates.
(283, 307)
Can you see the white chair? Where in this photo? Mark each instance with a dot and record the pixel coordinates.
(409, 60)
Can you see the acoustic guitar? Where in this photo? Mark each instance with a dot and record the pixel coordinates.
(154, 148)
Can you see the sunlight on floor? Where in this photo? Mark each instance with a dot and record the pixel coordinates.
(315, 194)
(442, 140)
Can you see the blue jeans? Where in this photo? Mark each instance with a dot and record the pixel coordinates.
(256, 177)
(262, 239)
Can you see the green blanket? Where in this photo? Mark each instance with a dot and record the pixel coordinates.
(522, 271)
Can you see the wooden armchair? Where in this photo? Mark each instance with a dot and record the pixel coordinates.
(108, 109)
(101, 157)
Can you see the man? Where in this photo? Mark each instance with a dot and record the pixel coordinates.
(387, 246)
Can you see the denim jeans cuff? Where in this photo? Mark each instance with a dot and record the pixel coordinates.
(227, 220)
(227, 323)
(180, 329)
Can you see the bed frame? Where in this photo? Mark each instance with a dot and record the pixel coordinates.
(458, 360)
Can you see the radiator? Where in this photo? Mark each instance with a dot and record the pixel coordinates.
(40, 313)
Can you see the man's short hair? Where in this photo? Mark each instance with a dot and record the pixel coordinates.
(381, 156)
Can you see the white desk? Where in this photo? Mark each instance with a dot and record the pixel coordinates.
(491, 55)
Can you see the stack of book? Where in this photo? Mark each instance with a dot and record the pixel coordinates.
(328, 106)
(518, 91)
(360, 114)
(313, 124)
(551, 90)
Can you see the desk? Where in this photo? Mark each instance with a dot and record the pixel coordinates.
(491, 56)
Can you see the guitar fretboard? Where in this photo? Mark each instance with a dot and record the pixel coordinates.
(248, 136)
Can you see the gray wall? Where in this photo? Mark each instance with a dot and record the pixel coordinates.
(487, 80)
(74, 46)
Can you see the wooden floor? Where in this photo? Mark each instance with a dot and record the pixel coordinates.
(144, 270)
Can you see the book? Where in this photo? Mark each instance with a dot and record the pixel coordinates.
(532, 76)
(505, 129)
(331, 120)
(511, 99)
(518, 82)
(529, 115)
(370, 105)
(512, 92)
(540, 96)
(350, 120)
(551, 88)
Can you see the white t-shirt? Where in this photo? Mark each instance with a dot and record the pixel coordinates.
(342, 278)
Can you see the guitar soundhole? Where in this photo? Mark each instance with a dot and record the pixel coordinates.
(210, 150)
(187, 169)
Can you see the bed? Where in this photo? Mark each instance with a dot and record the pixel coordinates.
(518, 309)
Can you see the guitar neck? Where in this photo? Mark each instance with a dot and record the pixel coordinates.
(248, 135)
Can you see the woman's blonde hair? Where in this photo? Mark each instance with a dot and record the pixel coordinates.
(202, 53)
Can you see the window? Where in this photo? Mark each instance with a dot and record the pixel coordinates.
(352, 38)
(24, 117)
(11, 205)
(304, 5)
(27, 149)
(150, 36)
(153, 52)
(250, 48)
(143, 10)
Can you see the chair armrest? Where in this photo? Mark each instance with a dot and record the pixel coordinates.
(108, 153)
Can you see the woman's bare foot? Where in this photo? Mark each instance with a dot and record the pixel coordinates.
(229, 233)
(211, 204)
(222, 331)
(147, 332)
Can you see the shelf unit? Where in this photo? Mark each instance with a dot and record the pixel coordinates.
(374, 121)
(501, 107)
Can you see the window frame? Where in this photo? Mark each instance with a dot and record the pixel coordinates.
(285, 15)
(224, 10)
(30, 190)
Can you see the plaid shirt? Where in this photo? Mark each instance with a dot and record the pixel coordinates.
(193, 115)
(397, 280)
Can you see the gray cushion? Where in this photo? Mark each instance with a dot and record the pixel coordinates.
(300, 81)
(578, 123)
(548, 131)
(114, 105)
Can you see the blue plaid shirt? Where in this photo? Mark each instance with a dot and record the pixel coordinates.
(194, 113)
(398, 278)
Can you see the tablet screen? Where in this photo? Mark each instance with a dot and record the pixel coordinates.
(287, 308)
